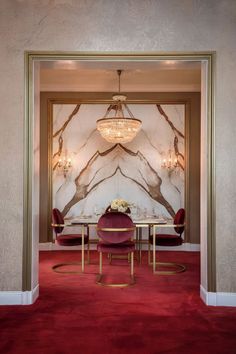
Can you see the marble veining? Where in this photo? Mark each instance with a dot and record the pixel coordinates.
(101, 171)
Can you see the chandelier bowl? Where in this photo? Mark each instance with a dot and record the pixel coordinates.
(118, 129)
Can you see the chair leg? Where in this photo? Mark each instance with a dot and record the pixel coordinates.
(132, 264)
(118, 285)
(149, 254)
(88, 252)
(100, 263)
(56, 267)
(175, 268)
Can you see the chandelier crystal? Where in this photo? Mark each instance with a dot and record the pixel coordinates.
(118, 124)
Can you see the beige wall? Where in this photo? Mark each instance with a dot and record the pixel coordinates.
(104, 25)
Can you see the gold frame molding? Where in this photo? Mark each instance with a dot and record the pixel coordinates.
(32, 57)
(48, 99)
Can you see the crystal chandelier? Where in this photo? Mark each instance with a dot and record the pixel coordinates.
(117, 126)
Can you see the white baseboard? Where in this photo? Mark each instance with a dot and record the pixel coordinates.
(188, 247)
(19, 297)
(218, 299)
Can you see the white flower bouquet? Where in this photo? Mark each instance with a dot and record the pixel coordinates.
(120, 205)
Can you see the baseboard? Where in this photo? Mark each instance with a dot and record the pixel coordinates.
(19, 297)
(218, 299)
(188, 247)
(51, 246)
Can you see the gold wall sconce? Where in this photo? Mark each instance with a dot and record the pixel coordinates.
(64, 165)
(170, 163)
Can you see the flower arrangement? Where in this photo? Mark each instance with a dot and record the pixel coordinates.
(120, 205)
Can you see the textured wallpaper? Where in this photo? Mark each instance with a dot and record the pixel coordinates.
(137, 26)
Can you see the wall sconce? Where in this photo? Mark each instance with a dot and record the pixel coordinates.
(169, 162)
(64, 165)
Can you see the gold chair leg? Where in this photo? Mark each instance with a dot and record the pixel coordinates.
(132, 264)
(149, 254)
(88, 252)
(56, 268)
(100, 263)
(117, 285)
(177, 268)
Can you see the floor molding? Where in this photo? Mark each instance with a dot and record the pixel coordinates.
(188, 247)
(19, 297)
(218, 299)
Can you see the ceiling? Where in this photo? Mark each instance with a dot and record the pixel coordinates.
(137, 76)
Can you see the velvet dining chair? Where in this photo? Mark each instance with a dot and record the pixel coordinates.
(169, 240)
(116, 232)
(67, 239)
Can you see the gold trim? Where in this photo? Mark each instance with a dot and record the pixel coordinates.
(61, 225)
(121, 229)
(32, 56)
(124, 55)
(186, 168)
(27, 186)
(178, 268)
(100, 281)
(62, 265)
(49, 168)
(211, 217)
(84, 98)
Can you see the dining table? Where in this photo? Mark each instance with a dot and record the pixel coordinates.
(140, 222)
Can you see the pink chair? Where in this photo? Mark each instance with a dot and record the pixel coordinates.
(116, 231)
(173, 239)
(67, 239)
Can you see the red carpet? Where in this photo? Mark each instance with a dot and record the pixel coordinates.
(160, 314)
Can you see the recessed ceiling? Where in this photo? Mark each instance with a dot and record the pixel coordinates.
(137, 76)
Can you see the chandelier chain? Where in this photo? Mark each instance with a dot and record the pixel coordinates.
(128, 110)
(108, 110)
(119, 74)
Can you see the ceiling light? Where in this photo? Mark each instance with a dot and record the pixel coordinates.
(118, 124)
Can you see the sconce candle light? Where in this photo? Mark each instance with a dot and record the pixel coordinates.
(170, 163)
(64, 165)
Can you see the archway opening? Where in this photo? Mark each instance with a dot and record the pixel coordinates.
(32, 187)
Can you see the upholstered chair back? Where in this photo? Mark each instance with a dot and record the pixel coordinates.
(115, 227)
(57, 218)
(179, 219)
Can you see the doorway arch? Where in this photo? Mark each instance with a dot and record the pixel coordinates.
(31, 165)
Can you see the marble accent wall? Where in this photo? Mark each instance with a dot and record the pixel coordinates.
(101, 171)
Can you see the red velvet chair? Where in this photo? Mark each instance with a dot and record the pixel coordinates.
(173, 239)
(67, 239)
(116, 231)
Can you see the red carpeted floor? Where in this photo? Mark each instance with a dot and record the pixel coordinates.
(160, 314)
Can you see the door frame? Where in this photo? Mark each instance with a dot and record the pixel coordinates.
(30, 261)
